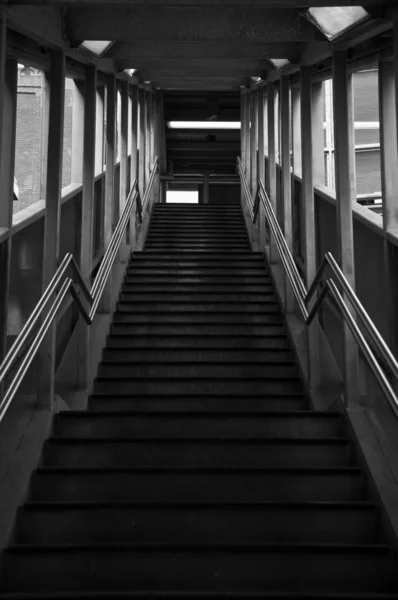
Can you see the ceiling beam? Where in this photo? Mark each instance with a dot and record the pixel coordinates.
(302, 4)
(194, 64)
(205, 50)
(121, 23)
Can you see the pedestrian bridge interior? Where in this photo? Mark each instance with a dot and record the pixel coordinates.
(198, 299)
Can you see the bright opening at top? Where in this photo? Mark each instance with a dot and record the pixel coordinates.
(203, 124)
(335, 20)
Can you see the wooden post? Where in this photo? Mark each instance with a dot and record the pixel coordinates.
(271, 178)
(261, 164)
(346, 195)
(134, 160)
(109, 178)
(142, 143)
(86, 246)
(388, 108)
(52, 218)
(285, 127)
(308, 211)
(123, 189)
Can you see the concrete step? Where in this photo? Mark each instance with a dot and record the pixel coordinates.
(219, 257)
(199, 296)
(112, 402)
(198, 341)
(184, 287)
(200, 567)
(198, 485)
(197, 355)
(194, 307)
(303, 424)
(201, 280)
(194, 370)
(215, 385)
(182, 451)
(188, 248)
(157, 522)
(236, 329)
(206, 318)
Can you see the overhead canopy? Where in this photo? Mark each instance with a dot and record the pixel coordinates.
(334, 21)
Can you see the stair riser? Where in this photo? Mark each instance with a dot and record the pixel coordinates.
(177, 425)
(234, 371)
(179, 525)
(193, 570)
(197, 307)
(196, 356)
(198, 297)
(193, 319)
(194, 487)
(267, 405)
(108, 454)
(210, 387)
(192, 288)
(197, 281)
(196, 270)
(201, 329)
(127, 341)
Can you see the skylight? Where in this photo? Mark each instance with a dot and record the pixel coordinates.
(203, 124)
(97, 48)
(279, 63)
(333, 21)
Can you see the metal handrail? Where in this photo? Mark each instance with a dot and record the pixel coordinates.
(92, 296)
(304, 297)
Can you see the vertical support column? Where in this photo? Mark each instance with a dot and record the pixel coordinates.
(271, 178)
(8, 97)
(52, 217)
(243, 138)
(158, 142)
(148, 138)
(296, 131)
(308, 211)
(206, 189)
(86, 246)
(123, 189)
(318, 143)
(141, 176)
(247, 135)
(162, 138)
(388, 94)
(254, 163)
(77, 128)
(109, 178)
(285, 126)
(253, 143)
(261, 164)
(134, 161)
(346, 195)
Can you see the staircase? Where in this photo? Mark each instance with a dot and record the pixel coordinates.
(200, 470)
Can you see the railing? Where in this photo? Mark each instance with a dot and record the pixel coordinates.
(304, 297)
(92, 296)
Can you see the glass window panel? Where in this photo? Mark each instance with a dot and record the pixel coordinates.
(333, 21)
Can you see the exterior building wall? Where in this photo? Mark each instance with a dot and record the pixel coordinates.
(29, 148)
